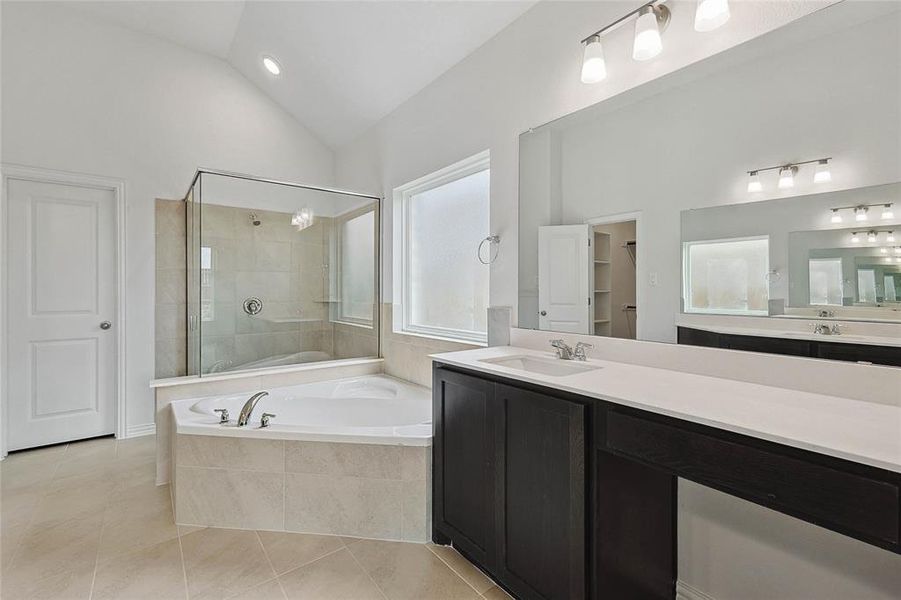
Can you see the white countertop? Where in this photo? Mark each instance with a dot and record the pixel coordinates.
(863, 432)
(870, 340)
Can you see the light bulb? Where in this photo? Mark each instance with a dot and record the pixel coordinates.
(647, 42)
(855, 239)
(890, 237)
(711, 14)
(836, 216)
(887, 212)
(786, 178)
(594, 68)
(822, 174)
(754, 184)
(860, 213)
(871, 237)
(271, 65)
(883, 250)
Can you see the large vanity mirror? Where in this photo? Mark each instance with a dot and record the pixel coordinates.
(734, 186)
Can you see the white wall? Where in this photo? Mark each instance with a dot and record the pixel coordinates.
(94, 98)
(528, 75)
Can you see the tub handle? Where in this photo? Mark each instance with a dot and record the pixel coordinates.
(264, 420)
(223, 415)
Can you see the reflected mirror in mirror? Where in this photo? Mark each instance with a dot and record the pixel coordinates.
(608, 195)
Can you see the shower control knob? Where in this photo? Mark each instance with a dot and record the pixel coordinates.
(105, 325)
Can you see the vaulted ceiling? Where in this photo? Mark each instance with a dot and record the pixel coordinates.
(344, 65)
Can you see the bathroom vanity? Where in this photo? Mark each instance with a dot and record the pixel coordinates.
(561, 482)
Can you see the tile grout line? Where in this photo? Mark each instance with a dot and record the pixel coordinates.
(271, 566)
(457, 573)
(181, 554)
(368, 574)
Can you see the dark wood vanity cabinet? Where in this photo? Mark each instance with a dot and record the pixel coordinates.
(834, 350)
(561, 496)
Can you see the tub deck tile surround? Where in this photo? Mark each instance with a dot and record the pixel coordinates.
(363, 490)
(127, 546)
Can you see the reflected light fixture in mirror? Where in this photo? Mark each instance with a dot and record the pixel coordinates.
(754, 184)
(822, 174)
(836, 216)
(594, 69)
(891, 237)
(855, 238)
(787, 177)
(302, 219)
(647, 42)
(711, 14)
(887, 212)
(860, 214)
(883, 250)
(871, 237)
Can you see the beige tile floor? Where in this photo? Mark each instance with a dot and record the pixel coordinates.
(85, 521)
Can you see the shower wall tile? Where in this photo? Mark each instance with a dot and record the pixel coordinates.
(373, 461)
(248, 454)
(170, 286)
(169, 312)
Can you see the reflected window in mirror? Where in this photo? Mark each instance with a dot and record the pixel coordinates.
(826, 283)
(727, 276)
(866, 286)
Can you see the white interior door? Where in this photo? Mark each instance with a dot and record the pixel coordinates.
(61, 303)
(564, 273)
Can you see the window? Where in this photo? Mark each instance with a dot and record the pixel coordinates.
(356, 249)
(825, 275)
(440, 283)
(727, 276)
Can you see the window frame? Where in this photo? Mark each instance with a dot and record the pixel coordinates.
(686, 278)
(401, 260)
(336, 308)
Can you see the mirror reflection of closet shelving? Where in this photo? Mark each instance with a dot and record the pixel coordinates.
(602, 283)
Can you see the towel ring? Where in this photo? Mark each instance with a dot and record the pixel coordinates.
(491, 239)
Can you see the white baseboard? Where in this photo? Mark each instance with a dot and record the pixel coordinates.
(140, 430)
(686, 592)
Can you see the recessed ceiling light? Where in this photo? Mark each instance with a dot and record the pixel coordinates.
(271, 65)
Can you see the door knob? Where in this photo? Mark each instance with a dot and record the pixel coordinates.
(543, 313)
(105, 325)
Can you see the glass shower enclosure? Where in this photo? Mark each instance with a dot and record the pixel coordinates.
(278, 273)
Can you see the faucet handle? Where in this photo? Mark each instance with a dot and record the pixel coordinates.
(223, 415)
(581, 350)
(264, 420)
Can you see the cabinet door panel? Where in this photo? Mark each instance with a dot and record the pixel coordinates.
(463, 468)
(541, 507)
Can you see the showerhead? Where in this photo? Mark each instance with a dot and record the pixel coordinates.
(255, 220)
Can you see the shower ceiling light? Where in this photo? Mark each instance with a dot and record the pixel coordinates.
(711, 14)
(754, 184)
(887, 212)
(647, 42)
(594, 69)
(302, 219)
(272, 65)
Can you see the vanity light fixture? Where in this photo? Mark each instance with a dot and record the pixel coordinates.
(836, 216)
(860, 213)
(890, 238)
(754, 184)
(647, 43)
(855, 239)
(711, 14)
(594, 68)
(887, 212)
(302, 219)
(871, 237)
(822, 173)
(650, 20)
(787, 177)
(272, 65)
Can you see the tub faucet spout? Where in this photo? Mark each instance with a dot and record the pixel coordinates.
(251, 403)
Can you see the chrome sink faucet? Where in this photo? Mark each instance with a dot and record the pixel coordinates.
(566, 352)
(825, 329)
(247, 410)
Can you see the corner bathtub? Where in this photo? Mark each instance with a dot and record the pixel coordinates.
(349, 457)
(373, 409)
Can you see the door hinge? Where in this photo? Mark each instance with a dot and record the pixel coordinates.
(589, 300)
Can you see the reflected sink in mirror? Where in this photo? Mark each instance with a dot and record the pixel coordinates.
(554, 367)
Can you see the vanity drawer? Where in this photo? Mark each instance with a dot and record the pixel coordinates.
(855, 500)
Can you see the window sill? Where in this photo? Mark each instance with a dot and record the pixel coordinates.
(369, 326)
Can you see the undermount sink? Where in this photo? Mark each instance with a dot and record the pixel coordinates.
(542, 366)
